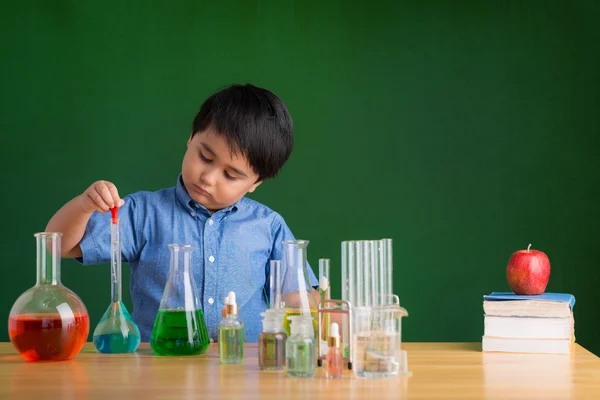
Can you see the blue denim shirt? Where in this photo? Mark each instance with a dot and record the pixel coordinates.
(232, 252)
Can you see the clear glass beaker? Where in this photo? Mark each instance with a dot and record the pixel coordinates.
(377, 340)
(179, 328)
(298, 295)
(48, 321)
(116, 332)
(376, 312)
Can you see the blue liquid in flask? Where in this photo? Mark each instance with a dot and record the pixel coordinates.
(116, 332)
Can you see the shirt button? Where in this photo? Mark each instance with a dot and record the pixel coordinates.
(210, 300)
(210, 222)
(193, 214)
(211, 259)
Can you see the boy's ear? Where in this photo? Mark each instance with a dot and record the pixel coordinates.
(253, 187)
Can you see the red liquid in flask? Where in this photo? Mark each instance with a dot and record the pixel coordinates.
(50, 337)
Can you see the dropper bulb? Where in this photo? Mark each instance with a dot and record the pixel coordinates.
(335, 330)
(231, 298)
(115, 214)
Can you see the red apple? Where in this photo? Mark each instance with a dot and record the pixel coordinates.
(528, 271)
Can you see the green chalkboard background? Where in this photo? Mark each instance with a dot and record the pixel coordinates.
(462, 130)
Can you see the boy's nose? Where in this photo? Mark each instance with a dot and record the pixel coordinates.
(208, 177)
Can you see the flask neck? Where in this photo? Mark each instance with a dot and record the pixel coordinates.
(181, 259)
(297, 289)
(295, 254)
(48, 258)
(180, 290)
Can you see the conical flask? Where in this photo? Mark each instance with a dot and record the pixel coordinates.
(179, 329)
(297, 293)
(48, 321)
(116, 332)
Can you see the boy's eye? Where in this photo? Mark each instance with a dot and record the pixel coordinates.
(204, 158)
(231, 178)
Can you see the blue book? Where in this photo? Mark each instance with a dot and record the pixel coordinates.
(510, 296)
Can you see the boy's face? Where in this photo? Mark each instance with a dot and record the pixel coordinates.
(212, 175)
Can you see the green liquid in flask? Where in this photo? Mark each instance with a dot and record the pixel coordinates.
(179, 333)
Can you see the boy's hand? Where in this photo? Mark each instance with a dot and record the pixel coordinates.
(101, 196)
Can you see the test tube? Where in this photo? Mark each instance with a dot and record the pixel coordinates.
(382, 271)
(325, 294)
(324, 278)
(360, 274)
(386, 267)
(351, 248)
(345, 272)
(275, 284)
(373, 271)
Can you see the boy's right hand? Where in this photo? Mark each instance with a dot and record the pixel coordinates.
(101, 196)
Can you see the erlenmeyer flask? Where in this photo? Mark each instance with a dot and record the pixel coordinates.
(116, 332)
(179, 328)
(48, 321)
(297, 293)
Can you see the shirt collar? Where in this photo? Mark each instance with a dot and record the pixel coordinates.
(194, 208)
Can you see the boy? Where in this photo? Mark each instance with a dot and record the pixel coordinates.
(241, 136)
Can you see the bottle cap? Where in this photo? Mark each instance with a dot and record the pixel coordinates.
(273, 320)
(231, 306)
(334, 336)
(301, 325)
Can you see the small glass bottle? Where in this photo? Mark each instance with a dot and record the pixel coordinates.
(300, 347)
(231, 334)
(271, 341)
(334, 359)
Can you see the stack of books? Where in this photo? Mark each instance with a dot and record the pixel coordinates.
(529, 324)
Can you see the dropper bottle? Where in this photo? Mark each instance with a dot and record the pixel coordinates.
(334, 359)
(231, 333)
(300, 348)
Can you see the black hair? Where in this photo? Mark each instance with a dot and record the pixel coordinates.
(253, 121)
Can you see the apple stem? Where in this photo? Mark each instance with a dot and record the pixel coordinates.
(528, 247)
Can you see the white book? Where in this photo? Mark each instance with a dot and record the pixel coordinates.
(528, 328)
(529, 308)
(550, 346)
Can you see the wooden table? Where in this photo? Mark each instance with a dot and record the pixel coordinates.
(440, 371)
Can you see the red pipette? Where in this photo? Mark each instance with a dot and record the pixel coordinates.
(115, 211)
